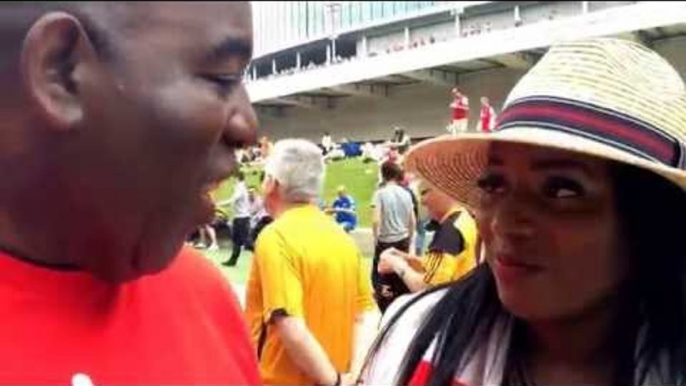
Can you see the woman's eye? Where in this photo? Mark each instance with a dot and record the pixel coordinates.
(563, 188)
(491, 184)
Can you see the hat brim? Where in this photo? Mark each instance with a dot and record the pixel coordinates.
(453, 163)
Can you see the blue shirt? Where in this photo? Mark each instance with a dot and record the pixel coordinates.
(345, 202)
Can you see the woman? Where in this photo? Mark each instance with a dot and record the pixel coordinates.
(579, 195)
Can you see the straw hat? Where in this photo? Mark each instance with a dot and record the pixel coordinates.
(608, 98)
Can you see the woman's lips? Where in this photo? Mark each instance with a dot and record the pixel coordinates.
(509, 268)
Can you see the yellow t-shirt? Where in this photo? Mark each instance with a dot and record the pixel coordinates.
(305, 265)
(452, 252)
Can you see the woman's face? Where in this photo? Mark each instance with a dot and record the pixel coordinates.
(551, 232)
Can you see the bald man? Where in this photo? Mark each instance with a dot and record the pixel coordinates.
(116, 122)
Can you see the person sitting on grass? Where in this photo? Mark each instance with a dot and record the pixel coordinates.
(344, 209)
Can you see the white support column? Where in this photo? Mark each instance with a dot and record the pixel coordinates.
(298, 60)
(458, 26)
(274, 66)
(407, 38)
(584, 7)
(365, 51)
(328, 54)
(333, 48)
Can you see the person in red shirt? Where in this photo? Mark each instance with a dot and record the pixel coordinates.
(117, 120)
(460, 112)
(487, 116)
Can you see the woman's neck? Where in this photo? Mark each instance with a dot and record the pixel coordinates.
(574, 341)
(578, 350)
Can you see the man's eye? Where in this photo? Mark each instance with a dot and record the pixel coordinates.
(224, 81)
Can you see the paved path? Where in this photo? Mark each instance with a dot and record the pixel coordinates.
(239, 289)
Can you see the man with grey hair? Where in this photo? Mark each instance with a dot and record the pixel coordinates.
(308, 302)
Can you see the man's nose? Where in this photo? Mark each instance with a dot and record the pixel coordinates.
(242, 126)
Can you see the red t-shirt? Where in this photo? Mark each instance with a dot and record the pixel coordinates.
(487, 118)
(180, 326)
(460, 107)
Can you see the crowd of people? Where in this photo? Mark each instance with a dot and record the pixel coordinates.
(556, 256)
(468, 30)
(400, 142)
(304, 253)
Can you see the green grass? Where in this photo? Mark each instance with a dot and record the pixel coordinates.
(239, 274)
(359, 178)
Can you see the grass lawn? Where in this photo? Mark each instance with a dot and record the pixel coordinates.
(238, 275)
(359, 178)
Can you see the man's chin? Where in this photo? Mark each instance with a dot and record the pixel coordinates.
(155, 258)
(142, 261)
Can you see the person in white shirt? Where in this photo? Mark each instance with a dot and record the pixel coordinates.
(401, 141)
(259, 217)
(327, 143)
(241, 219)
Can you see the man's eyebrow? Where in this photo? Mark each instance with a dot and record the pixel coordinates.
(229, 47)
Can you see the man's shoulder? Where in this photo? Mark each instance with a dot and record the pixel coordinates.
(269, 233)
(189, 266)
(448, 238)
(194, 279)
(387, 189)
(347, 200)
(408, 195)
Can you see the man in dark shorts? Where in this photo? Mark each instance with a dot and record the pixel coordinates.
(393, 225)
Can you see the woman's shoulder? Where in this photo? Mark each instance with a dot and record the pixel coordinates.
(411, 309)
(403, 319)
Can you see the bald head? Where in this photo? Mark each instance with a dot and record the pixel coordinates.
(106, 107)
(98, 19)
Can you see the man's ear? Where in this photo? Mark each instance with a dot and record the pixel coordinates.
(270, 186)
(55, 48)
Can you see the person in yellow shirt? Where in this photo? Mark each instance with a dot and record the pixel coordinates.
(452, 252)
(309, 301)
